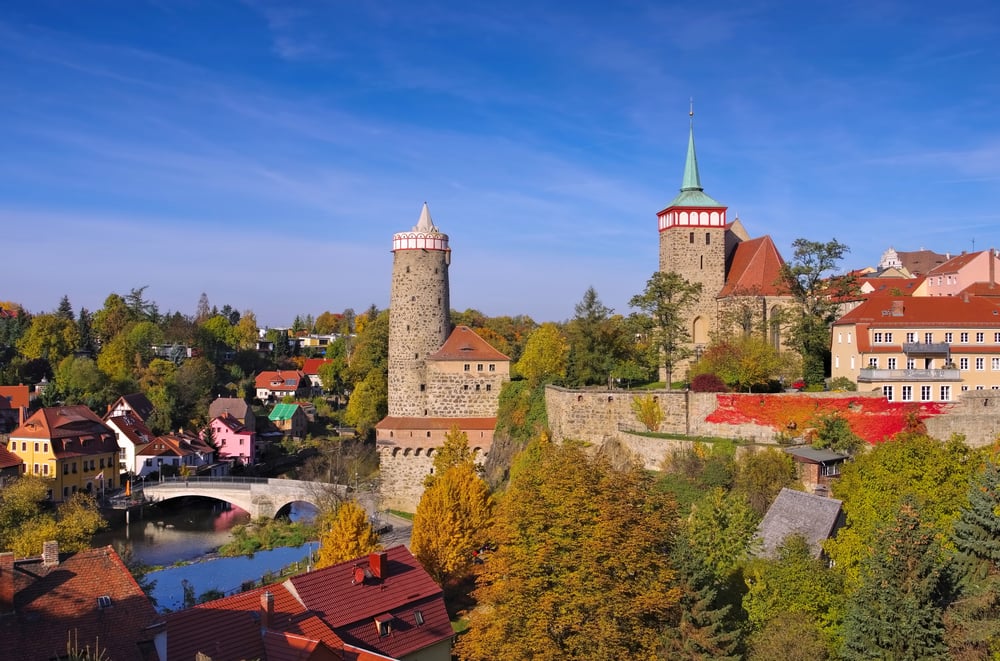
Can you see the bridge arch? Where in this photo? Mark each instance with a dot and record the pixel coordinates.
(261, 497)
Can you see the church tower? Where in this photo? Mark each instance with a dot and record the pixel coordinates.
(419, 312)
(693, 243)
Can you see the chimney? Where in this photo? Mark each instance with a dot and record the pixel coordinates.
(379, 564)
(993, 259)
(266, 610)
(50, 554)
(6, 583)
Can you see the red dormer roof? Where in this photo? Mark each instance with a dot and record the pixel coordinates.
(350, 595)
(465, 344)
(756, 269)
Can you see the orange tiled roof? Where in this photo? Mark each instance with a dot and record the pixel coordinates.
(465, 344)
(50, 602)
(280, 380)
(956, 263)
(312, 365)
(14, 397)
(424, 424)
(756, 268)
(930, 311)
(988, 289)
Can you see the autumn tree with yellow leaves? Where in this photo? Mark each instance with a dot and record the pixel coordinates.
(455, 513)
(346, 535)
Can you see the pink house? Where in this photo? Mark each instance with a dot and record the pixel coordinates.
(963, 271)
(233, 439)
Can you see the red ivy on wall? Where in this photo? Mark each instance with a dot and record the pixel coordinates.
(872, 418)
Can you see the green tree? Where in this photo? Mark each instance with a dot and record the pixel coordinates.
(761, 475)
(896, 612)
(193, 385)
(834, 432)
(582, 567)
(706, 627)
(368, 404)
(789, 637)
(79, 381)
(596, 342)
(245, 334)
(795, 581)
(452, 521)
(370, 352)
(25, 524)
(49, 336)
(809, 280)
(721, 529)
(873, 484)
(545, 355)
(742, 362)
(347, 536)
(648, 412)
(663, 304)
(112, 319)
(973, 619)
(65, 309)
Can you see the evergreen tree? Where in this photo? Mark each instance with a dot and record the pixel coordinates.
(973, 620)
(896, 613)
(65, 309)
(706, 628)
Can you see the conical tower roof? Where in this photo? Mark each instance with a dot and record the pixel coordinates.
(692, 194)
(424, 236)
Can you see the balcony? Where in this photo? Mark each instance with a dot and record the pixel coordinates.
(872, 375)
(927, 349)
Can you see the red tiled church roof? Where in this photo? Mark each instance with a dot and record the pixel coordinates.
(465, 344)
(755, 269)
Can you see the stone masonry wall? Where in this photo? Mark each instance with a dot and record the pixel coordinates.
(977, 417)
(419, 323)
(463, 395)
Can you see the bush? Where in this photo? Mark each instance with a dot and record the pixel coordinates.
(843, 383)
(708, 383)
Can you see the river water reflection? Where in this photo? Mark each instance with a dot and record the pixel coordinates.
(189, 530)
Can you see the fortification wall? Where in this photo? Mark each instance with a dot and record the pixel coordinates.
(977, 417)
(463, 395)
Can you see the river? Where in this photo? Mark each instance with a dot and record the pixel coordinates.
(190, 530)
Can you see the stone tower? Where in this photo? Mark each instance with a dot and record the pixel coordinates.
(693, 243)
(419, 312)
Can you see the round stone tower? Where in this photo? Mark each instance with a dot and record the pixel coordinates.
(419, 312)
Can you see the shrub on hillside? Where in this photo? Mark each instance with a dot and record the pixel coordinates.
(708, 383)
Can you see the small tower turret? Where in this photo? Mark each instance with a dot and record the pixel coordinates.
(419, 312)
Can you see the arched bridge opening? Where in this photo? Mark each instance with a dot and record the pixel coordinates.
(261, 497)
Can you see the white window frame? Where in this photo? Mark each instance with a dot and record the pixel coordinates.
(907, 393)
(945, 393)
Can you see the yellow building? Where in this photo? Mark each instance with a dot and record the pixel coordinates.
(919, 349)
(70, 446)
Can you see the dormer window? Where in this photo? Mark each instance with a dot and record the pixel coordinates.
(104, 601)
(418, 618)
(384, 624)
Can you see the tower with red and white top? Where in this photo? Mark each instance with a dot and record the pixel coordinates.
(419, 312)
(693, 243)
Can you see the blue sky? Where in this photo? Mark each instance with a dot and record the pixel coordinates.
(265, 152)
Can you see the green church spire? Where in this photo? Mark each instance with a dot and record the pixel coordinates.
(692, 194)
(692, 181)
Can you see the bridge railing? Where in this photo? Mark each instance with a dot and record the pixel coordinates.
(207, 482)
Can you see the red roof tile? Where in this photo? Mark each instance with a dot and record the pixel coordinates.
(137, 402)
(7, 458)
(281, 380)
(465, 344)
(954, 264)
(312, 365)
(424, 424)
(350, 606)
(930, 311)
(755, 269)
(14, 397)
(52, 602)
(72, 430)
(132, 427)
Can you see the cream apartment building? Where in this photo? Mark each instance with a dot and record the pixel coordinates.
(919, 349)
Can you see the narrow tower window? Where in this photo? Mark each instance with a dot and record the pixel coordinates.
(708, 238)
(691, 237)
(701, 264)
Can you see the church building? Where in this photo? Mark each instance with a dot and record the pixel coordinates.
(439, 377)
(741, 291)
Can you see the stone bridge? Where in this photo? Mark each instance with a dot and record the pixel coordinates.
(257, 495)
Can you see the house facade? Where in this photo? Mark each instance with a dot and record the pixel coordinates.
(274, 385)
(233, 440)
(136, 403)
(919, 349)
(71, 447)
(173, 453)
(236, 407)
(131, 434)
(290, 419)
(962, 271)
